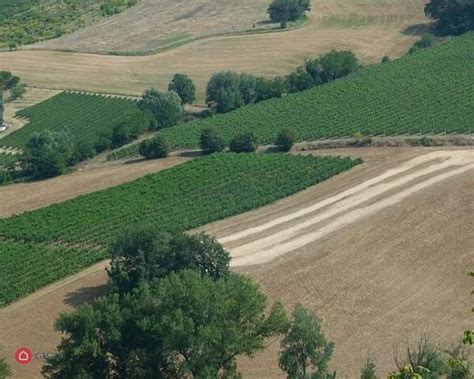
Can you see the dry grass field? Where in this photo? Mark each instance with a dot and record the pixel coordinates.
(155, 24)
(371, 28)
(379, 252)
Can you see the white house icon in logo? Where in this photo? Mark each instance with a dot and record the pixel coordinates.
(23, 356)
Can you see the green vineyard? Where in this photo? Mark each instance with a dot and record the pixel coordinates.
(429, 92)
(86, 117)
(180, 198)
(8, 159)
(25, 267)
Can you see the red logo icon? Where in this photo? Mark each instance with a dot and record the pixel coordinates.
(23, 355)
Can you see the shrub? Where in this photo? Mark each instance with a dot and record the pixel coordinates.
(103, 143)
(156, 147)
(286, 139)
(47, 154)
(82, 151)
(244, 143)
(211, 142)
(386, 59)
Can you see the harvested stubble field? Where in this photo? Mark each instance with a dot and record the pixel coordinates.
(384, 27)
(383, 278)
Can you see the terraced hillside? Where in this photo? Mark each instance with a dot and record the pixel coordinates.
(429, 92)
(180, 198)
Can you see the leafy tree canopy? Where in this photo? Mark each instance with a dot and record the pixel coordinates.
(184, 87)
(223, 89)
(165, 107)
(154, 148)
(211, 142)
(282, 11)
(47, 154)
(143, 254)
(305, 351)
(184, 325)
(453, 16)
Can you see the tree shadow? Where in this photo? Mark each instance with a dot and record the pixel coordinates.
(419, 29)
(190, 153)
(86, 294)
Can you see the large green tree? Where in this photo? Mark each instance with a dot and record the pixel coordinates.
(223, 90)
(452, 16)
(185, 325)
(305, 351)
(184, 87)
(165, 107)
(283, 11)
(47, 154)
(143, 254)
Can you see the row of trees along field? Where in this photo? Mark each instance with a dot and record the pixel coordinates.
(175, 310)
(426, 92)
(27, 21)
(364, 93)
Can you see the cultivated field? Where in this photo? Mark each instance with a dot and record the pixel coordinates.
(371, 28)
(390, 273)
(85, 116)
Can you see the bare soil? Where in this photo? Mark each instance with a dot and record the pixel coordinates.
(384, 27)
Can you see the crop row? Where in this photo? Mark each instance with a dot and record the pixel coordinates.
(85, 116)
(181, 198)
(8, 159)
(25, 267)
(429, 92)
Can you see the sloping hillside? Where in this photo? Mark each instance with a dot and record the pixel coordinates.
(428, 92)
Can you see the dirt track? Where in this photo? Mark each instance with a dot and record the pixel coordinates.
(377, 281)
